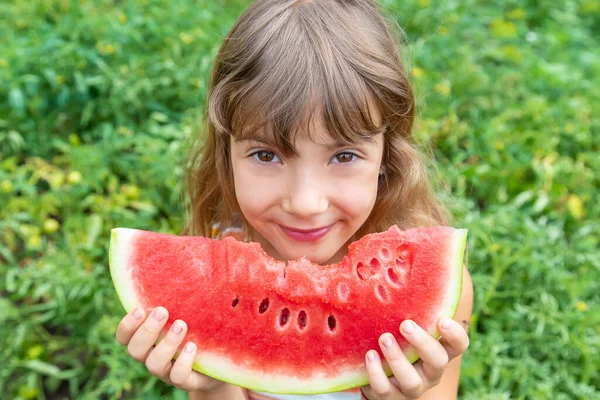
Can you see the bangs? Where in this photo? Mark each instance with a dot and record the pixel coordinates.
(300, 82)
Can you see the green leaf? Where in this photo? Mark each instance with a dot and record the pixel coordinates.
(17, 101)
(48, 369)
(94, 230)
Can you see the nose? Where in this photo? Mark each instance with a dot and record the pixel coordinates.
(305, 197)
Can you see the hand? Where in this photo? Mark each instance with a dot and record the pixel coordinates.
(411, 381)
(140, 334)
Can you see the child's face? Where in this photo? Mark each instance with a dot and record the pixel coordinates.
(310, 204)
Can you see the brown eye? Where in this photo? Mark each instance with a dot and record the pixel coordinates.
(265, 156)
(344, 157)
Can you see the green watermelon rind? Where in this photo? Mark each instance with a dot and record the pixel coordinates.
(214, 365)
(119, 238)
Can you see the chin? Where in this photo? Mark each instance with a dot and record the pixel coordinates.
(285, 249)
(316, 257)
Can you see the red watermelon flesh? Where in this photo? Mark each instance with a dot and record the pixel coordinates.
(293, 327)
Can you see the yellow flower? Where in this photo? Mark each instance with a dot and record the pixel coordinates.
(517, 13)
(197, 82)
(443, 30)
(74, 140)
(499, 145)
(55, 178)
(122, 18)
(569, 127)
(34, 242)
(51, 225)
(132, 192)
(125, 131)
(575, 206)
(417, 72)
(6, 186)
(502, 28)
(28, 392)
(60, 79)
(495, 247)
(74, 177)
(106, 48)
(34, 352)
(423, 3)
(581, 306)
(512, 53)
(443, 88)
(186, 38)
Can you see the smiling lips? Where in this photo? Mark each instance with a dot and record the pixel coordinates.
(308, 235)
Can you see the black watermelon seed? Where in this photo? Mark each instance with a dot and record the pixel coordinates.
(284, 316)
(331, 323)
(302, 319)
(264, 305)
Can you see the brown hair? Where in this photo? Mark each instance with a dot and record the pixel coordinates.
(285, 62)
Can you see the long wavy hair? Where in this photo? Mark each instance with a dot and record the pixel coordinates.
(286, 61)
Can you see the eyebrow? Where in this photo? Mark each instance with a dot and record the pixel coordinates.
(330, 146)
(250, 139)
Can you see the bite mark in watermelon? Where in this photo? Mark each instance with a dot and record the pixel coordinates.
(298, 327)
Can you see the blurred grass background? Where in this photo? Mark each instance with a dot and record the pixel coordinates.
(98, 97)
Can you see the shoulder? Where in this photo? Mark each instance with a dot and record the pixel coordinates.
(465, 304)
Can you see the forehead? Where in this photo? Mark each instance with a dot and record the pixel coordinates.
(319, 125)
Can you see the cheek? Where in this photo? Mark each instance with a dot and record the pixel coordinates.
(357, 196)
(252, 193)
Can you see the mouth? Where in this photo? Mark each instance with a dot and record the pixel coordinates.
(306, 235)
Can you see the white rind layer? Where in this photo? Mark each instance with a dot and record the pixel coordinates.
(120, 270)
(218, 367)
(221, 368)
(455, 288)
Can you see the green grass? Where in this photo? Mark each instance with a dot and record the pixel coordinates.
(98, 97)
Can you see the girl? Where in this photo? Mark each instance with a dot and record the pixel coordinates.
(308, 148)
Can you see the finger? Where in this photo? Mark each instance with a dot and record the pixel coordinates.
(160, 360)
(145, 337)
(433, 355)
(181, 373)
(184, 377)
(128, 325)
(380, 386)
(454, 337)
(410, 382)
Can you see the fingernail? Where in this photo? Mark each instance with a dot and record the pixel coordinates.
(189, 347)
(446, 323)
(177, 328)
(371, 356)
(158, 314)
(408, 327)
(136, 314)
(387, 342)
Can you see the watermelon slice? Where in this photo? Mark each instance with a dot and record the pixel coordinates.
(295, 327)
